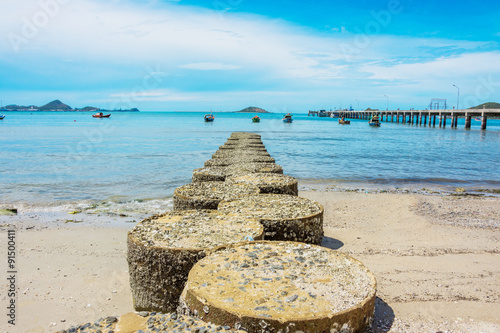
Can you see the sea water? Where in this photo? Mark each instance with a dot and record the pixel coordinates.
(59, 157)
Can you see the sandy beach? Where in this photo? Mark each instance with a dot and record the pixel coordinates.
(436, 259)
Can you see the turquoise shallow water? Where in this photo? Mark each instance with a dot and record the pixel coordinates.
(70, 157)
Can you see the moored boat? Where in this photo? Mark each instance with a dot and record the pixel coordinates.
(101, 115)
(287, 118)
(2, 116)
(256, 119)
(209, 117)
(342, 121)
(375, 121)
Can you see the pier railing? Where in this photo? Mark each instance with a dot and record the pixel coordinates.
(419, 117)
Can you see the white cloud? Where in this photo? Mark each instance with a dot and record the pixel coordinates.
(118, 39)
(465, 65)
(207, 66)
(173, 36)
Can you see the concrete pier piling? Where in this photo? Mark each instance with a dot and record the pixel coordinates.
(420, 117)
(483, 121)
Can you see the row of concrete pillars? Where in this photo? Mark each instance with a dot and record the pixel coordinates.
(417, 118)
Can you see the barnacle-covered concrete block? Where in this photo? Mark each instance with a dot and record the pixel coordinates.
(225, 153)
(238, 160)
(281, 287)
(207, 195)
(244, 135)
(163, 248)
(220, 173)
(284, 217)
(268, 182)
(241, 147)
(215, 173)
(149, 322)
(243, 144)
(252, 167)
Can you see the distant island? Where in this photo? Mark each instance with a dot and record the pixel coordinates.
(253, 109)
(57, 105)
(489, 105)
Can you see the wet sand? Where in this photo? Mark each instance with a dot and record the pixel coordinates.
(436, 260)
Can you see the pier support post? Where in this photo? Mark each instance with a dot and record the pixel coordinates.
(444, 120)
(467, 121)
(455, 121)
(483, 121)
(433, 121)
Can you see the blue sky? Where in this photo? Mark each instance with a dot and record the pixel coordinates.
(229, 54)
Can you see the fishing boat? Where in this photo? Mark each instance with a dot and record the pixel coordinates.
(2, 116)
(209, 117)
(342, 121)
(101, 115)
(375, 121)
(256, 119)
(287, 118)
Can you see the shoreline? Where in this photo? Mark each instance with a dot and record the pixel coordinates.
(435, 258)
(117, 204)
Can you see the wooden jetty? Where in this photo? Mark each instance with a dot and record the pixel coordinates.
(424, 117)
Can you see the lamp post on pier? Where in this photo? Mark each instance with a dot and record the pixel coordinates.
(458, 95)
(387, 108)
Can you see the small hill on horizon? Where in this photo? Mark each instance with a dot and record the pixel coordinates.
(253, 109)
(55, 105)
(89, 108)
(13, 107)
(489, 105)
